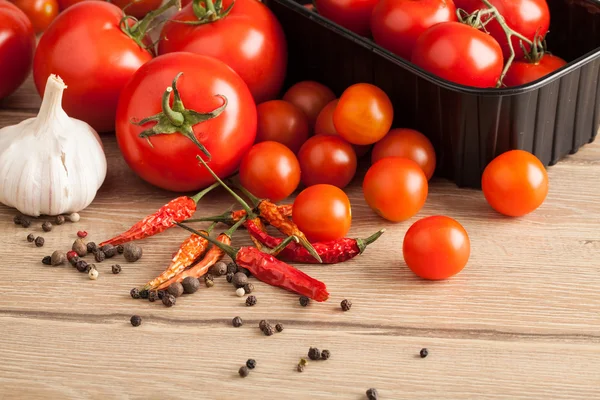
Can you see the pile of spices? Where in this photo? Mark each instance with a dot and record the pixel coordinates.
(168, 300)
(237, 322)
(79, 247)
(250, 300)
(229, 277)
(109, 250)
(424, 353)
(153, 296)
(239, 280)
(99, 256)
(219, 269)
(136, 320)
(135, 293)
(91, 247)
(346, 305)
(248, 288)
(82, 266)
(372, 394)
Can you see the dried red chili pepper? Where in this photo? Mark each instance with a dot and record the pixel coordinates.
(231, 217)
(178, 209)
(269, 269)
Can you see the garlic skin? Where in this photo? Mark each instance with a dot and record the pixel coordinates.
(51, 164)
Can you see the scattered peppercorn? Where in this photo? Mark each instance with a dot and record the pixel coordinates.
(90, 267)
(18, 219)
(99, 256)
(93, 274)
(47, 260)
(153, 296)
(132, 252)
(325, 354)
(190, 285)
(144, 293)
(424, 353)
(244, 371)
(240, 292)
(251, 363)
(81, 265)
(248, 288)
(92, 247)
(79, 247)
(244, 271)
(268, 330)
(70, 255)
(74, 260)
(251, 300)
(372, 394)
(116, 269)
(136, 320)
(219, 269)
(346, 305)
(109, 250)
(135, 293)
(30, 238)
(304, 301)
(175, 289)
(232, 268)
(39, 241)
(59, 220)
(229, 277)
(169, 300)
(314, 353)
(58, 258)
(239, 279)
(25, 222)
(262, 324)
(237, 322)
(161, 294)
(120, 249)
(279, 328)
(301, 368)
(47, 226)
(82, 234)
(74, 217)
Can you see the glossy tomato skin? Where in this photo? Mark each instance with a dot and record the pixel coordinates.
(527, 17)
(311, 97)
(249, 39)
(408, 143)
(351, 14)
(270, 171)
(397, 24)
(88, 50)
(323, 213)
(523, 72)
(170, 163)
(17, 44)
(41, 13)
(327, 159)
(364, 114)
(281, 122)
(138, 9)
(459, 53)
(395, 188)
(324, 126)
(515, 183)
(64, 4)
(436, 247)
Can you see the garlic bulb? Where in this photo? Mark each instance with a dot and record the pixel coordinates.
(51, 164)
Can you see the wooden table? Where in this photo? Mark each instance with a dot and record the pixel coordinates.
(522, 321)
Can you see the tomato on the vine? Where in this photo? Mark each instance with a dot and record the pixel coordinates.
(364, 114)
(459, 53)
(324, 126)
(17, 44)
(436, 247)
(138, 8)
(397, 24)
(311, 97)
(282, 122)
(408, 143)
(270, 171)
(41, 13)
(515, 183)
(327, 159)
(216, 111)
(323, 213)
(246, 37)
(351, 14)
(523, 72)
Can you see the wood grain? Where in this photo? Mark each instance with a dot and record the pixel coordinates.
(520, 322)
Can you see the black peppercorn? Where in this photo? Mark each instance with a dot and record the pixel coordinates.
(99, 256)
(229, 277)
(232, 268)
(18, 219)
(90, 267)
(47, 226)
(325, 354)
(116, 269)
(304, 301)
(244, 371)
(175, 289)
(135, 293)
(239, 279)
(74, 260)
(168, 300)
(152, 296)
(268, 330)
(237, 322)
(30, 238)
(219, 269)
(39, 241)
(132, 252)
(144, 294)
(248, 288)
(25, 222)
(372, 394)
(314, 353)
(250, 301)
(279, 328)
(59, 220)
(81, 266)
(251, 363)
(244, 271)
(262, 324)
(208, 281)
(346, 305)
(190, 285)
(120, 249)
(161, 294)
(47, 260)
(424, 353)
(79, 247)
(91, 247)
(109, 250)
(136, 320)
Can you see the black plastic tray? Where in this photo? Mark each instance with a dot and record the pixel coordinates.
(468, 127)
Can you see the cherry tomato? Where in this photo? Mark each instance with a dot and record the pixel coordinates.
(169, 162)
(436, 247)
(459, 53)
(86, 47)
(523, 72)
(397, 24)
(395, 188)
(40, 12)
(311, 97)
(17, 44)
(364, 114)
(408, 143)
(323, 213)
(327, 159)
(528, 17)
(515, 183)
(310, 6)
(64, 4)
(137, 8)
(270, 171)
(324, 126)
(249, 39)
(282, 122)
(351, 14)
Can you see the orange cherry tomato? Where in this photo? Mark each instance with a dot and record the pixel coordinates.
(436, 247)
(395, 188)
(364, 114)
(281, 122)
(138, 8)
(327, 159)
(515, 183)
(323, 213)
(270, 171)
(324, 126)
(408, 143)
(310, 97)
(41, 13)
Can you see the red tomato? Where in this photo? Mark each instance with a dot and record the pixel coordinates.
(40, 12)
(523, 72)
(364, 114)
(351, 14)
(311, 97)
(270, 171)
(185, 2)
(282, 122)
(408, 143)
(528, 17)
(170, 162)
(395, 188)
(324, 126)
(436, 247)
(137, 8)
(310, 6)
(249, 39)
(64, 4)
(327, 159)
(87, 49)
(515, 183)
(17, 44)
(459, 53)
(397, 24)
(323, 213)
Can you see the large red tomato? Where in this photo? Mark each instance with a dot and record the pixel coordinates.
(86, 47)
(17, 44)
(397, 24)
(249, 39)
(527, 17)
(170, 161)
(523, 72)
(137, 8)
(40, 12)
(354, 15)
(281, 122)
(459, 53)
